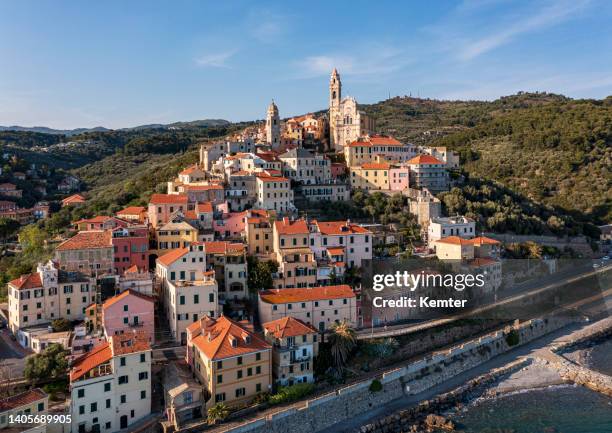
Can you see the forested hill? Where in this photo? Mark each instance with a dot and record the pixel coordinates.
(549, 148)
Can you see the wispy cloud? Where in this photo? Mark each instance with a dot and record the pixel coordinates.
(215, 60)
(548, 16)
(267, 26)
(378, 59)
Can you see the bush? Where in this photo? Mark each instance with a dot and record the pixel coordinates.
(513, 338)
(61, 325)
(376, 386)
(291, 393)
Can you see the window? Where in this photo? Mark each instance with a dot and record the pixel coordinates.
(196, 299)
(239, 360)
(125, 322)
(182, 299)
(220, 397)
(123, 380)
(143, 357)
(239, 374)
(143, 394)
(143, 375)
(125, 307)
(240, 392)
(81, 393)
(211, 297)
(41, 407)
(108, 425)
(122, 361)
(258, 387)
(258, 357)
(94, 407)
(249, 371)
(219, 365)
(219, 378)
(108, 403)
(258, 369)
(81, 410)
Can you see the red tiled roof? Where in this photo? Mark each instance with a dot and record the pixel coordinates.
(382, 140)
(288, 327)
(288, 227)
(425, 159)
(335, 251)
(168, 199)
(111, 301)
(22, 399)
(74, 198)
(27, 281)
(123, 344)
(360, 143)
(172, 256)
(339, 228)
(223, 247)
(86, 240)
(98, 355)
(132, 210)
(454, 240)
(190, 170)
(285, 296)
(205, 207)
(267, 178)
(375, 166)
(215, 340)
(483, 240)
(95, 220)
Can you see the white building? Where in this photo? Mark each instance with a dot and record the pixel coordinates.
(110, 386)
(441, 227)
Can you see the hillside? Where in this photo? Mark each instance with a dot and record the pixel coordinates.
(551, 149)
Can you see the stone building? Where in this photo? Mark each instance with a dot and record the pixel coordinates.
(273, 132)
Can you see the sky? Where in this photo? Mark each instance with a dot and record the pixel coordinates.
(118, 63)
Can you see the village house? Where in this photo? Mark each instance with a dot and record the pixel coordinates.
(259, 234)
(320, 307)
(32, 402)
(73, 200)
(100, 222)
(341, 241)
(162, 207)
(274, 193)
(130, 248)
(110, 386)
(371, 176)
(228, 261)
(441, 227)
(137, 280)
(172, 235)
(229, 360)
(294, 347)
(297, 266)
(10, 190)
(134, 214)
(89, 252)
(128, 312)
(36, 299)
(428, 172)
(368, 148)
(304, 166)
(184, 396)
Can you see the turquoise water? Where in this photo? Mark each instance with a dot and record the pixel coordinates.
(554, 410)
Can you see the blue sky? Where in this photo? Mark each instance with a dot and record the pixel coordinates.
(74, 64)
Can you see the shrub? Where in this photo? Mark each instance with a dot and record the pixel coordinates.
(376, 386)
(291, 393)
(512, 338)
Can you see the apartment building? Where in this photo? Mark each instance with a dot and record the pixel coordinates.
(428, 172)
(162, 207)
(89, 252)
(441, 227)
(294, 347)
(175, 234)
(306, 167)
(36, 299)
(320, 307)
(259, 234)
(188, 290)
(273, 193)
(297, 266)
(228, 261)
(127, 312)
(232, 362)
(330, 191)
(242, 190)
(134, 214)
(100, 222)
(450, 158)
(341, 241)
(130, 248)
(371, 176)
(32, 402)
(366, 149)
(110, 386)
(457, 248)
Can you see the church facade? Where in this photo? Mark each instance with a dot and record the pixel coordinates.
(346, 122)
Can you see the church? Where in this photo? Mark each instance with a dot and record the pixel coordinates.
(346, 122)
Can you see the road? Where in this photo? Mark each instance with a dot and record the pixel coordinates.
(11, 356)
(554, 281)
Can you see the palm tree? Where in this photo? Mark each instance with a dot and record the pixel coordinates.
(217, 413)
(342, 341)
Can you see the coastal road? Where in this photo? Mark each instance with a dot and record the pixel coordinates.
(403, 329)
(588, 305)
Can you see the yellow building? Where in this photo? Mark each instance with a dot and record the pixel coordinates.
(297, 266)
(259, 235)
(232, 362)
(371, 176)
(175, 235)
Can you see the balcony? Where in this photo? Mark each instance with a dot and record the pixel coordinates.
(136, 324)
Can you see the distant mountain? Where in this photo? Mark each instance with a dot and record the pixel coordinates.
(76, 131)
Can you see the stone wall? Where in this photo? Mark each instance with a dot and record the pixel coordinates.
(324, 411)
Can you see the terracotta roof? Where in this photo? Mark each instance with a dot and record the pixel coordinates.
(482, 261)
(382, 140)
(7, 186)
(168, 199)
(483, 240)
(216, 337)
(425, 159)
(131, 270)
(74, 198)
(98, 355)
(123, 344)
(454, 240)
(22, 399)
(97, 219)
(339, 228)
(288, 227)
(190, 170)
(375, 166)
(285, 296)
(111, 301)
(267, 178)
(360, 143)
(288, 327)
(132, 210)
(335, 251)
(87, 240)
(223, 247)
(205, 207)
(172, 256)
(27, 281)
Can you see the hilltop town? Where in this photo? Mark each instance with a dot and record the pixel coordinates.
(237, 288)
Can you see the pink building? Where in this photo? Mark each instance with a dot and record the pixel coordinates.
(230, 226)
(131, 248)
(129, 312)
(337, 169)
(162, 206)
(398, 177)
